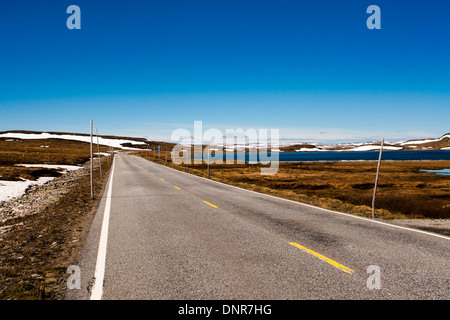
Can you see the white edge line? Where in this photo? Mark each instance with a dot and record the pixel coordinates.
(311, 206)
(97, 289)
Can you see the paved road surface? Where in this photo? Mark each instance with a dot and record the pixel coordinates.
(172, 235)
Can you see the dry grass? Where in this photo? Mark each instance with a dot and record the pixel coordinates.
(33, 152)
(63, 152)
(403, 190)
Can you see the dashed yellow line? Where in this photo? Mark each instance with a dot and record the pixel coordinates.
(210, 204)
(318, 255)
(162, 179)
(177, 187)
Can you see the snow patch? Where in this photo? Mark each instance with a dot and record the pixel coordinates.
(309, 150)
(13, 189)
(371, 148)
(116, 143)
(426, 141)
(64, 168)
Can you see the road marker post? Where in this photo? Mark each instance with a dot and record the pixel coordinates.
(376, 179)
(209, 159)
(187, 153)
(92, 166)
(165, 162)
(99, 156)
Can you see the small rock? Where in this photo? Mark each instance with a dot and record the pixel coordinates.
(50, 280)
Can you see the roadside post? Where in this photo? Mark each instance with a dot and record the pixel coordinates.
(99, 156)
(186, 152)
(92, 166)
(209, 157)
(376, 179)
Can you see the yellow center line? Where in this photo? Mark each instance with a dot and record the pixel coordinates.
(210, 204)
(318, 255)
(152, 173)
(162, 179)
(177, 187)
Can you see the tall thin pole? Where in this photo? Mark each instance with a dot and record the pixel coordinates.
(209, 155)
(165, 163)
(92, 167)
(186, 160)
(99, 156)
(376, 179)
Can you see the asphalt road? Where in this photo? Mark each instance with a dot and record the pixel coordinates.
(172, 235)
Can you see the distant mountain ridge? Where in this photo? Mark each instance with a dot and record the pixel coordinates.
(107, 140)
(441, 143)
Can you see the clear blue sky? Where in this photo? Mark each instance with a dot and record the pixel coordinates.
(309, 68)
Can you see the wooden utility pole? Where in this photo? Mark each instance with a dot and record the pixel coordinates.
(376, 179)
(99, 156)
(92, 167)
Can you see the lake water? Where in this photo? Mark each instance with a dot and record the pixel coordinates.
(443, 172)
(347, 156)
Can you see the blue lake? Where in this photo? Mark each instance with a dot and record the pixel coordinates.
(344, 156)
(443, 172)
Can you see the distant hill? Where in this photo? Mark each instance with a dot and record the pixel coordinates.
(130, 143)
(106, 140)
(441, 143)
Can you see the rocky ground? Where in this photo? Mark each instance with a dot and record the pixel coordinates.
(41, 234)
(38, 197)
